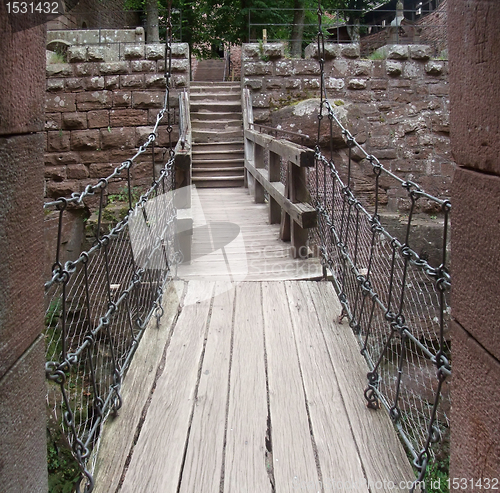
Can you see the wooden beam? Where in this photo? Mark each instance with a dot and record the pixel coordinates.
(303, 214)
(299, 155)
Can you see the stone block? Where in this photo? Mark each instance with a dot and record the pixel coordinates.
(475, 448)
(128, 117)
(133, 81)
(378, 84)
(118, 138)
(95, 100)
(397, 52)
(60, 102)
(53, 121)
(310, 84)
(111, 82)
(96, 53)
(258, 68)
(54, 85)
(334, 83)
(306, 67)
(122, 99)
(332, 50)
(89, 157)
(362, 68)
(59, 70)
(351, 50)
(23, 454)
(94, 83)
(180, 50)
(251, 51)
(57, 159)
(357, 84)
(293, 84)
(84, 69)
(155, 52)
(180, 81)
(155, 81)
(434, 67)
(439, 89)
(22, 78)
(273, 84)
(84, 140)
(420, 52)
(253, 83)
(180, 65)
(273, 50)
(146, 100)
(261, 115)
(283, 68)
(77, 172)
(74, 121)
(339, 68)
(261, 101)
(74, 84)
(55, 189)
(393, 69)
(76, 54)
(98, 118)
(114, 68)
(475, 262)
(142, 134)
(133, 52)
(21, 246)
(58, 141)
(143, 66)
(100, 170)
(56, 173)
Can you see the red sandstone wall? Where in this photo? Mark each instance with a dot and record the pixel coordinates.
(98, 114)
(474, 46)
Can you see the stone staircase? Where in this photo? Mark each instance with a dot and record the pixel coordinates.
(217, 134)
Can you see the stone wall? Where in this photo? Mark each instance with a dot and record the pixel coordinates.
(398, 107)
(475, 128)
(99, 112)
(23, 453)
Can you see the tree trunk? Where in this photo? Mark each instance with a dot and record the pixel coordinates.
(152, 30)
(299, 15)
(353, 30)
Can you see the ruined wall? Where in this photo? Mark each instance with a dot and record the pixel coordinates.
(398, 107)
(475, 129)
(99, 112)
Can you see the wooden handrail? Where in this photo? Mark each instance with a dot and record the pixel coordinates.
(289, 202)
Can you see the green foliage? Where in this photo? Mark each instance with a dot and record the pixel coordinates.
(62, 467)
(378, 55)
(436, 479)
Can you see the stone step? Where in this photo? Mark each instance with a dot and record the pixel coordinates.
(218, 182)
(197, 86)
(207, 136)
(210, 70)
(216, 106)
(216, 125)
(218, 172)
(210, 116)
(218, 163)
(207, 97)
(208, 147)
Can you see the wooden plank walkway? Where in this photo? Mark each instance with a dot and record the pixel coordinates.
(234, 241)
(259, 390)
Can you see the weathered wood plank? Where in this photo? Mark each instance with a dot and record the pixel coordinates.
(118, 433)
(337, 453)
(380, 450)
(245, 463)
(302, 213)
(157, 457)
(292, 449)
(204, 456)
(295, 153)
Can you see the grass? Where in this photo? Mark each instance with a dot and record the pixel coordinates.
(377, 55)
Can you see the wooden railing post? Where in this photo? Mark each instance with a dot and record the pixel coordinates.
(259, 163)
(298, 193)
(274, 175)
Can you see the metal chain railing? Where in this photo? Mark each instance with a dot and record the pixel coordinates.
(396, 300)
(99, 305)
